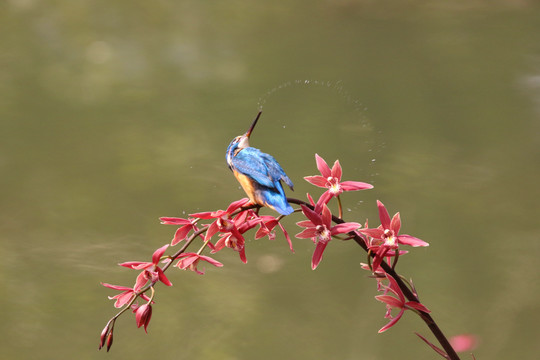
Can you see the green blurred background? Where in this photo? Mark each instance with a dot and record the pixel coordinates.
(114, 113)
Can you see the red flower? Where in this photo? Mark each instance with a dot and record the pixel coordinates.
(151, 270)
(231, 231)
(124, 297)
(268, 223)
(319, 228)
(397, 302)
(386, 237)
(143, 314)
(191, 260)
(331, 179)
(232, 242)
(181, 233)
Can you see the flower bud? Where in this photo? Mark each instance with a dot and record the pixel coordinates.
(103, 336)
(143, 315)
(106, 336)
(109, 341)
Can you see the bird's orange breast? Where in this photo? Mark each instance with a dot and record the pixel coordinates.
(248, 185)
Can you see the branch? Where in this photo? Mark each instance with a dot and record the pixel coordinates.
(452, 355)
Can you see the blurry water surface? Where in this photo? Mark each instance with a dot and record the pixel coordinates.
(113, 114)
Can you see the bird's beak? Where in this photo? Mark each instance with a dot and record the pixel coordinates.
(253, 125)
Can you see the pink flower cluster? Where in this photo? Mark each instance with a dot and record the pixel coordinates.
(319, 227)
(383, 242)
(223, 229)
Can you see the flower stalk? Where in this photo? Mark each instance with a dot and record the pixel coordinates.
(430, 322)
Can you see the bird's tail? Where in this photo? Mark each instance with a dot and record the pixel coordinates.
(275, 199)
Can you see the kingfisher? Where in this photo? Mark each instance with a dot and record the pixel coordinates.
(258, 173)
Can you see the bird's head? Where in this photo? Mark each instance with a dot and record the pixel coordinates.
(242, 141)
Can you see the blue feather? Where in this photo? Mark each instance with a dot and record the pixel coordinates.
(275, 198)
(261, 167)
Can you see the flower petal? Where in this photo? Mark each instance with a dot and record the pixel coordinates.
(437, 350)
(311, 215)
(212, 230)
(236, 205)
(117, 287)
(162, 277)
(174, 221)
(242, 254)
(123, 298)
(374, 233)
(211, 260)
(326, 217)
(379, 256)
(187, 260)
(137, 265)
(395, 224)
(418, 306)
(411, 240)
(286, 236)
(305, 223)
(238, 235)
(317, 255)
(395, 288)
(345, 228)
(323, 200)
(141, 280)
(316, 180)
(383, 215)
(181, 234)
(355, 185)
(307, 233)
(392, 322)
(336, 171)
(203, 215)
(390, 301)
(323, 167)
(158, 254)
(310, 199)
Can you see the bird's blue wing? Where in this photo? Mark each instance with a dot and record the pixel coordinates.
(261, 167)
(275, 170)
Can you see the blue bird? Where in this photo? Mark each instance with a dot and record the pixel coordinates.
(259, 174)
